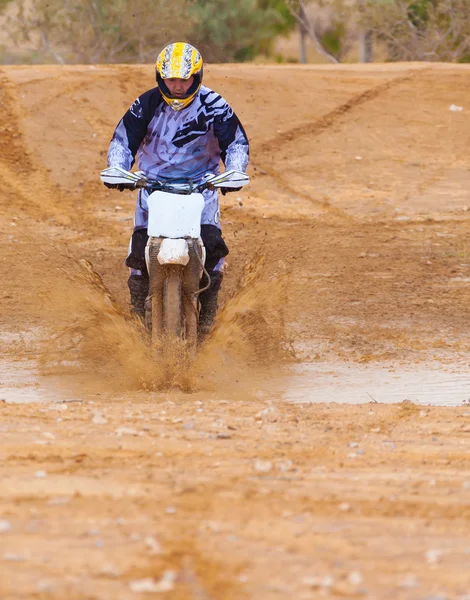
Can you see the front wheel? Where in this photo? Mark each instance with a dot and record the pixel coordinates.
(173, 301)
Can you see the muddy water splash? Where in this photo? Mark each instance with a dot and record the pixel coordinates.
(93, 334)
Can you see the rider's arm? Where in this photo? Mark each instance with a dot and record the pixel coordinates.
(233, 141)
(131, 130)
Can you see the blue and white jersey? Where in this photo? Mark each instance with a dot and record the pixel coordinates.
(184, 144)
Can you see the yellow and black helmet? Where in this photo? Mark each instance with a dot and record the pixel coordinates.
(182, 61)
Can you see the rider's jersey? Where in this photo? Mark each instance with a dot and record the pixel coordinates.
(186, 144)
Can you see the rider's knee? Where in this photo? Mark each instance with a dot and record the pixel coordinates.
(214, 244)
(136, 258)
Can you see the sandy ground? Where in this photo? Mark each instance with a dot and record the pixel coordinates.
(131, 477)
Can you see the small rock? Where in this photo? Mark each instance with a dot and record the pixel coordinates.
(140, 586)
(224, 436)
(353, 444)
(99, 418)
(433, 556)
(109, 570)
(153, 545)
(170, 510)
(409, 582)
(45, 586)
(268, 414)
(60, 500)
(149, 585)
(212, 526)
(325, 581)
(126, 431)
(9, 556)
(355, 578)
(5, 526)
(455, 108)
(285, 465)
(263, 466)
(40, 474)
(344, 506)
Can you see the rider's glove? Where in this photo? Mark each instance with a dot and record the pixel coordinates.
(116, 186)
(227, 190)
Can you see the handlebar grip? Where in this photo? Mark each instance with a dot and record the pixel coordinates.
(120, 186)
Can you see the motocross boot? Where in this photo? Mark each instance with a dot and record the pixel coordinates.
(139, 289)
(208, 300)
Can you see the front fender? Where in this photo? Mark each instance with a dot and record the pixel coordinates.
(173, 252)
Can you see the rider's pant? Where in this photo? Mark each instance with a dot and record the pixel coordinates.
(212, 239)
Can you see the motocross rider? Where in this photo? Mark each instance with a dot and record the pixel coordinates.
(179, 130)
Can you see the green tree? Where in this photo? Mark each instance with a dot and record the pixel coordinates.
(237, 31)
(433, 30)
(94, 31)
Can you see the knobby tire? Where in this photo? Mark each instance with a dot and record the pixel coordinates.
(173, 303)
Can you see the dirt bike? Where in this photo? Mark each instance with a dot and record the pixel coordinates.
(175, 254)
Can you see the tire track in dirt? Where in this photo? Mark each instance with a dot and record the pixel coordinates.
(68, 90)
(318, 127)
(26, 175)
(21, 172)
(294, 191)
(104, 124)
(97, 123)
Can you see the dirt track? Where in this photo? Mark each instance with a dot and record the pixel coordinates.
(350, 247)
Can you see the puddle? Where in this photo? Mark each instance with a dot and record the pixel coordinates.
(343, 383)
(355, 384)
(21, 384)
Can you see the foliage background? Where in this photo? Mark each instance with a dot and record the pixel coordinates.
(133, 31)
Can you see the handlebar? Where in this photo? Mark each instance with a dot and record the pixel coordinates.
(116, 177)
(173, 187)
(154, 186)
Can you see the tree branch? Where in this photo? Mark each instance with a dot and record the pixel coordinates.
(308, 27)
